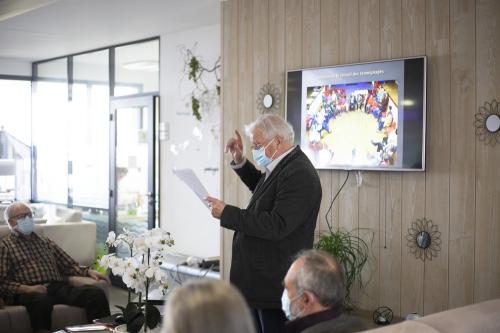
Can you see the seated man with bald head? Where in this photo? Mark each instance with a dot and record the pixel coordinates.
(314, 294)
(34, 272)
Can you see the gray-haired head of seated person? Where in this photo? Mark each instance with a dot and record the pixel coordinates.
(322, 275)
(271, 125)
(208, 306)
(13, 210)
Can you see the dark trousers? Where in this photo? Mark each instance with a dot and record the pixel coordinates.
(269, 320)
(40, 306)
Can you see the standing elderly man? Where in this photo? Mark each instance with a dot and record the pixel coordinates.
(278, 222)
(34, 272)
(314, 294)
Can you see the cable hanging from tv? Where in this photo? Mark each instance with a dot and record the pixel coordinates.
(328, 222)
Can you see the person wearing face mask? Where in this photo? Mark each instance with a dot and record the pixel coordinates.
(279, 220)
(313, 296)
(34, 272)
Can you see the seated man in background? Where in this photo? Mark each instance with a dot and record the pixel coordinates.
(314, 294)
(34, 272)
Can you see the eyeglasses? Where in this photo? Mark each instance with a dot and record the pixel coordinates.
(21, 216)
(260, 145)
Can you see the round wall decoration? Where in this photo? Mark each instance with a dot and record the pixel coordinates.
(488, 123)
(268, 99)
(424, 239)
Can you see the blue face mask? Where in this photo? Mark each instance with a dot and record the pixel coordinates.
(259, 155)
(25, 226)
(286, 305)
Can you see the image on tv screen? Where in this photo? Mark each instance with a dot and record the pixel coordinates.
(365, 116)
(352, 124)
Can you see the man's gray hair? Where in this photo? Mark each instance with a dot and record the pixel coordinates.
(322, 275)
(271, 126)
(7, 211)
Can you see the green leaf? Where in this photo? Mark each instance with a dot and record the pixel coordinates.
(153, 317)
(131, 312)
(195, 106)
(136, 324)
(194, 67)
(352, 253)
(120, 307)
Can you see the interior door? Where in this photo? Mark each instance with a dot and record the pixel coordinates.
(134, 156)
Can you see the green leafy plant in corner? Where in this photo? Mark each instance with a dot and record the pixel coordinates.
(100, 251)
(352, 253)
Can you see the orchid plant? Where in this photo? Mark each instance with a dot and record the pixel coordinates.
(141, 272)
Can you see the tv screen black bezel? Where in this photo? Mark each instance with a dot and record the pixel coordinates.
(296, 124)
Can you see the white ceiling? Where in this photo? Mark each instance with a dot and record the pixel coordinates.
(36, 30)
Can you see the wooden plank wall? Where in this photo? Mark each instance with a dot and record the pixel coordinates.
(460, 191)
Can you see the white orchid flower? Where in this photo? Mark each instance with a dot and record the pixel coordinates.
(150, 272)
(111, 238)
(141, 271)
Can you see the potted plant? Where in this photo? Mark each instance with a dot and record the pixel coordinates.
(352, 253)
(141, 273)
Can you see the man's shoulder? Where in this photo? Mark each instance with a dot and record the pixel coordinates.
(12, 239)
(6, 240)
(341, 324)
(300, 163)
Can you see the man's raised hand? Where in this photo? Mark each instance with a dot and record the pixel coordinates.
(235, 146)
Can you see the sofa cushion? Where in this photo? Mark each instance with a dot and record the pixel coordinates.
(68, 214)
(405, 327)
(64, 315)
(76, 238)
(15, 318)
(477, 318)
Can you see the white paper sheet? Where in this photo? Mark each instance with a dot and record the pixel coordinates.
(193, 182)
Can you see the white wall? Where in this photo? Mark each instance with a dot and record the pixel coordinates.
(193, 228)
(9, 66)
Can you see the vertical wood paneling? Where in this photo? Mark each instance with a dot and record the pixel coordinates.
(330, 29)
(330, 32)
(413, 183)
(293, 34)
(487, 245)
(311, 57)
(438, 150)
(277, 48)
(229, 118)
(390, 256)
(349, 53)
(311, 33)
(462, 152)
(260, 49)
(246, 109)
(369, 204)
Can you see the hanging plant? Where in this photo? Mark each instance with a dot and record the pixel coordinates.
(204, 94)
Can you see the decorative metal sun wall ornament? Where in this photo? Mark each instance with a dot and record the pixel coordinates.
(488, 123)
(424, 239)
(268, 99)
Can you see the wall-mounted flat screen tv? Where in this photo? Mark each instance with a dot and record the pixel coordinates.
(366, 116)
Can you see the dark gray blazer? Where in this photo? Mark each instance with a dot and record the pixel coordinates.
(278, 222)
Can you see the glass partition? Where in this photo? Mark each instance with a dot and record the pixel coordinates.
(54, 69)
(137, 68)
(89, 135)
(15, 140)
(71, 126)
(50, 132)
